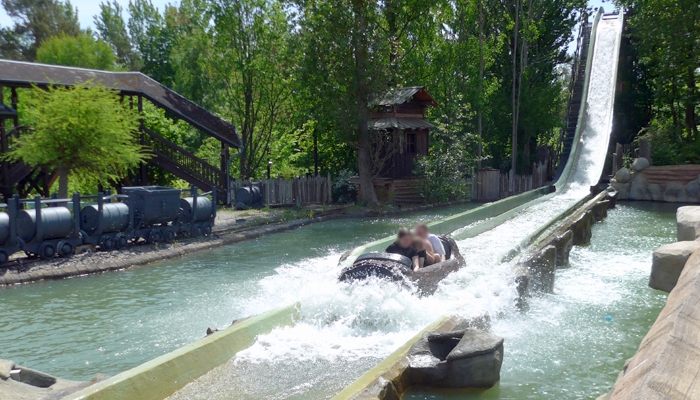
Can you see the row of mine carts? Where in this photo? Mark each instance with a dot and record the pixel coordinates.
(47, 228)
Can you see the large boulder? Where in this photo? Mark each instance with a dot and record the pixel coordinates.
(675, 193)
(688, 223)
(640, 163)
(693, 190)
(564, 243)
(581, 228)
(542, 266)
(622, 189)
(668, 262)
(639, 189)
(623, 175)
(469, 358)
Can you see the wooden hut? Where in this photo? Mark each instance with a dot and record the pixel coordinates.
(398, 122)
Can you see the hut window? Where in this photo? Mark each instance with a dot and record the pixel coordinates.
(411, 143)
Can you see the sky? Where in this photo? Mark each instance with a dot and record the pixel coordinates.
(88, 8)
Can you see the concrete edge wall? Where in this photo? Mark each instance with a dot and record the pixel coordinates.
(164, 375)
(457, 221)
(667, 362)
(373, 383)
(536, 268)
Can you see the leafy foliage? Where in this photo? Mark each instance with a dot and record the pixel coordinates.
(35, 21)
(77, 51)
(343, 190)
(84, 131)
(447, 166)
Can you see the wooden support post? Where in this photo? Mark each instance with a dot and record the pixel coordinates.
(6, 191)
(617, 159)
(645, 149)
(144, 166)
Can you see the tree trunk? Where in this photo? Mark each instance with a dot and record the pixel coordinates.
(62, 182)
(481, 84)
(364, 165)
(514, 133)
(690, 123)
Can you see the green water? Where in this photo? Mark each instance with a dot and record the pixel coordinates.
(563, 347)
(108, 323)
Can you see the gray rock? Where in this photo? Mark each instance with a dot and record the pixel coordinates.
(675, 193)
(211, 330)
(623, 175)
(522, 280)
(639, 188)
(688, 223)
(600, 210)
(474, 342)
(640, 164)
(542, 266)
(459, 359)
(5, 368)
(693, 190)
(655, 192)
(581, 228)
(622, 189)
(668, 262)
(564, 243)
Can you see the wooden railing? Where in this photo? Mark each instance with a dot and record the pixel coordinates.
(492, 184)
(297, 191)
(183, 163)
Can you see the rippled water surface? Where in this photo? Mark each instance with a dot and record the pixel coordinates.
(107, 323)
(563, 347)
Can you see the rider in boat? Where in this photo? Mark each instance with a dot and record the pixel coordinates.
(434, 250)
(403, 245)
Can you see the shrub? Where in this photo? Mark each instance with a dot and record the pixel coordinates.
(446, 168)
(343, 190)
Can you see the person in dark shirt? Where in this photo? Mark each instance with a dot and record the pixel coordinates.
(404, 245)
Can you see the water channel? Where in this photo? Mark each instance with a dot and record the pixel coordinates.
(108, 323)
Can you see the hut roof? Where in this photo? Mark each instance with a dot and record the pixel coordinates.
(399, 123)
(405, 94)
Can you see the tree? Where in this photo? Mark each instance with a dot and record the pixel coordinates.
(82, 51)
(112, 29)
(250, 66)
(36, 21)
(85, 132)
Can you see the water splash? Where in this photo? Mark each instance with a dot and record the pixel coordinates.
(347, 328)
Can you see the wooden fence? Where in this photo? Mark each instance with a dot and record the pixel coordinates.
(491, 184)
(297, 191)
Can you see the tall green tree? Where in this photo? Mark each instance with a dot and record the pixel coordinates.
(85, 132)
(82, 51)
(111, 28)
(248, 63)
(36, 21)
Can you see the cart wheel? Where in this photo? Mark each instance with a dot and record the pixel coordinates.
(47, 251)
(196, 231)
(155, 236)
(121, 241)
(206, 229)
(107, 243)
(65, 249)
(4, 258)
(169, 235)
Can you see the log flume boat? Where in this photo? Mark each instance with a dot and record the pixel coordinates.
(397, 268)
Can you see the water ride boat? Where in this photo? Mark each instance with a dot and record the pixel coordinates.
(397, 268)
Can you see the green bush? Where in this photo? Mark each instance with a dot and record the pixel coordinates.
(446, 169)
(343, 190)
(669, 145)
